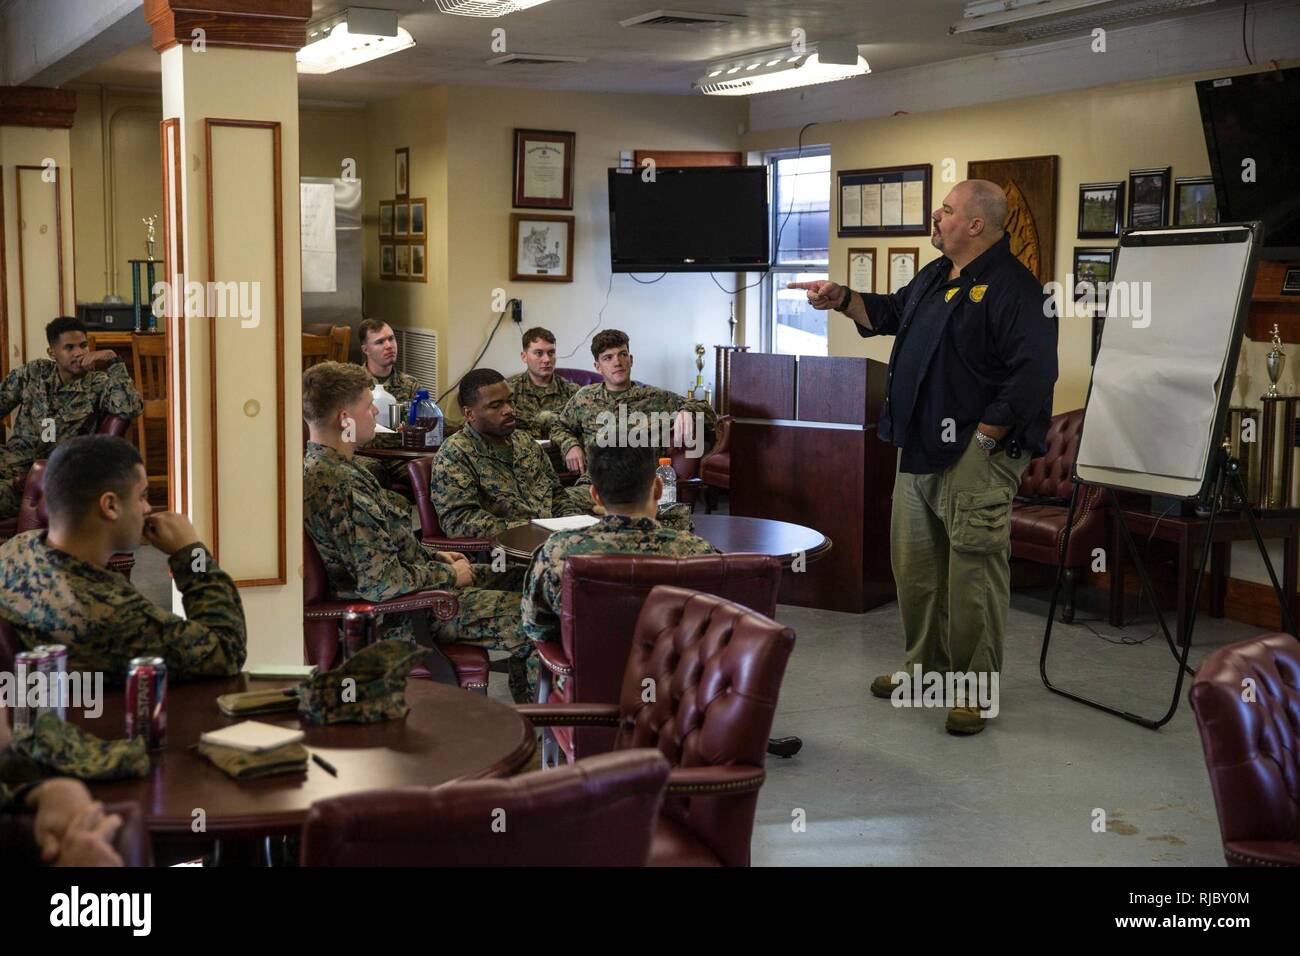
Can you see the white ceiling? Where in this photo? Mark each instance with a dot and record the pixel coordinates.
(451, 49)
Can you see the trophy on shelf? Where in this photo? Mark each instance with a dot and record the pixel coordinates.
(1276, 362)
(698, 390)
(145, 320)
(1277, 451)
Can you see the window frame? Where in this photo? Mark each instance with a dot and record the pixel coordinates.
(767, 298)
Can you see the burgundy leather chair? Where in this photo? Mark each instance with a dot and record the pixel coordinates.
(1042, 504)
(323, 616)
(600, 812)
(579, 376)
(1252, 747)
(132, 842)
(601, 597)
(32, 516)
(715, 467)
(716, 669)
(420, 473)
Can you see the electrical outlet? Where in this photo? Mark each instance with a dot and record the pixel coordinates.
(517, 311)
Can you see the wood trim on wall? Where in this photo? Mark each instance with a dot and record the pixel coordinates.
(174, 266)
(688, 157)
(277, 187)
(250, 24)
(58, 244)
(37, 106)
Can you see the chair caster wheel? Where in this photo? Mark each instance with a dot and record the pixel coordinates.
(784, 746)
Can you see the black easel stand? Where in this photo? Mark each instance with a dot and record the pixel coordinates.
(1227, 469)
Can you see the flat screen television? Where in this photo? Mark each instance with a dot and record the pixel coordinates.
(1256, 117)
(689, 219)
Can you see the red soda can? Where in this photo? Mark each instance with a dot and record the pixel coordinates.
(26, 663)
(146, 701)
(55, 667)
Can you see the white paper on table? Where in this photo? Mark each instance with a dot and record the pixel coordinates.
(871, 205)
(566, 524)
(891, 204)
(319, 251)
(850, 206)
(913, 211)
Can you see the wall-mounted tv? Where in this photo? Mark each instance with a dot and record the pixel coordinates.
(689, 219)
(1252, 132)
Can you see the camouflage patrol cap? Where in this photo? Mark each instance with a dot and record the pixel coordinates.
(369, 687)
(57, 748)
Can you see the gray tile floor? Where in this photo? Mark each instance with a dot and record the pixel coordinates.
(883, 786)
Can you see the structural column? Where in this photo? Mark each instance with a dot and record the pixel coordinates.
(229, 144)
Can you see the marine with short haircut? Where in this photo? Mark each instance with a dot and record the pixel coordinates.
(58, 398)
(366, 541)
(624, 484)
(537, 393)
(56, 586)
(379, 346)
(491, 475)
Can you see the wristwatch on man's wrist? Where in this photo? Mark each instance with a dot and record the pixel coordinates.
(987, 443)
(844, 302)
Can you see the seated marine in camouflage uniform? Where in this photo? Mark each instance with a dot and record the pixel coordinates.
(58, 398)
(379, 346)
(491, 475)
(367, 542)
(593, 414)
(625, 485)
(56, 587)
(538, 394)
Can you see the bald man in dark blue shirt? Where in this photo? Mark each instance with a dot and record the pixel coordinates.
(968, 403)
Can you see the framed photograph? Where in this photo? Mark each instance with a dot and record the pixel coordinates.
(886, 201)
(1148, 197)
(402, 219)
(1094, 270)
(418, 207)
(541, 248)
(543, 176)
(387, 260)
(418, 269)
(1101, 208)
(903, 264)
(403, 270)
(402, 173)
(385, 220)
(1195, 203)
(861, 274)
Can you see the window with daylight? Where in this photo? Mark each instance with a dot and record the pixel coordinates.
(801, 240)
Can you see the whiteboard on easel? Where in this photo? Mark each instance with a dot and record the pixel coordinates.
(1175, 315)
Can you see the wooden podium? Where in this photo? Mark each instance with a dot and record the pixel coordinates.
(804, 449)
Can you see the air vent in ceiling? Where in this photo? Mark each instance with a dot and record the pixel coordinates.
(682, 20)
(533, 59)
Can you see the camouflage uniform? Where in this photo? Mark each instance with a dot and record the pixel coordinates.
(370, 551)
(51, 597)
(536, 406)
(580, 424)
(615, 534)
(480, 489)
(74, 408)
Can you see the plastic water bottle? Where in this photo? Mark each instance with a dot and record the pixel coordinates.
(665, 471)
(423, 423)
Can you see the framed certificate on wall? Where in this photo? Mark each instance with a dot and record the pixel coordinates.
(861, 274)
(902, 267)
(544, 169)
(887, 201)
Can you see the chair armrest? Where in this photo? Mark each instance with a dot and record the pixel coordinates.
(723, 441)
(552, 655)
(444, 605)
(699, 781)
(1262, 853)
(458, 544)
(569, 715)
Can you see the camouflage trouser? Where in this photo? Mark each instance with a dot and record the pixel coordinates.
(951, 549)
(491, 619)
(13, 468)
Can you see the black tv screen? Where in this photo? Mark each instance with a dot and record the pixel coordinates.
(1256, 117)
(689, 219)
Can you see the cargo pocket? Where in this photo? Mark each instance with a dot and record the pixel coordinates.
(981, 521)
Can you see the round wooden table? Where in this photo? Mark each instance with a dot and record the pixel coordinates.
(728, 533)
(397, 454)
(448, 734)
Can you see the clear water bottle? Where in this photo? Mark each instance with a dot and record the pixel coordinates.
(423, 423)
(665, 471)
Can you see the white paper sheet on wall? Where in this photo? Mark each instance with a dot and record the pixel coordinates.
(319, 253)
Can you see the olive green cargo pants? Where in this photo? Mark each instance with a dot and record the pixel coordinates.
(950, 546)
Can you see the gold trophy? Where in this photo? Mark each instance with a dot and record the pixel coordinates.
(150, 239)
(1275, 363)
(697, 390)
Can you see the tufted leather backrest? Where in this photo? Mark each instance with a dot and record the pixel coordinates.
(420, 473)
(578, 376)
(597, 812)
(1048, 476)
(1252, 747)
(31, 509)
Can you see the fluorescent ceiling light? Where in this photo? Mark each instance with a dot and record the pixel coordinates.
(357, 35)
(1043, 18)
(485, 8)
(765, 71)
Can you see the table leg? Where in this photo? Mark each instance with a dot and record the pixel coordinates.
(1116, 572)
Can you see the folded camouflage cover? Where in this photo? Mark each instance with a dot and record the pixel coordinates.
(56, 748)
(369, 687)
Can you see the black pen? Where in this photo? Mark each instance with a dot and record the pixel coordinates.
(329, 767)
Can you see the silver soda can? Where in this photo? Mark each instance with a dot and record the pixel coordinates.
(146, 701)
(55, 666)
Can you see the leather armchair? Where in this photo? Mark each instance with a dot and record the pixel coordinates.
(715, 467)
(1252, 747)
(601, 597)
(32, 515)
(132, 842)
(716, 671)
(1042, 505)
(579, 376)
(323, 616)
(600, 812)
(420, 472)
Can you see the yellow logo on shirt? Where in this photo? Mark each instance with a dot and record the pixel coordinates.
(947, 296)
(977, 292)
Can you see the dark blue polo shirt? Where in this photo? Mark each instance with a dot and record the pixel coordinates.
(978, 348)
